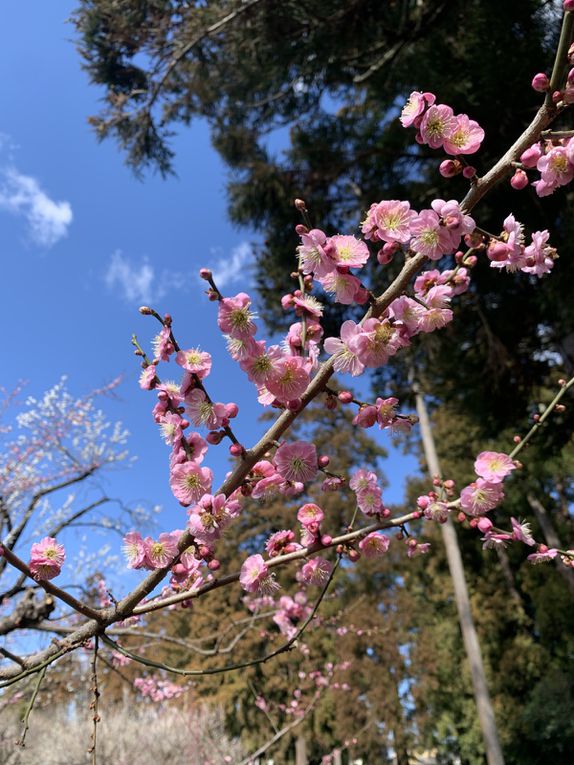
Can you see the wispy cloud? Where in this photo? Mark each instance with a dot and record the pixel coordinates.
(232, 269)
(21, 194)
(137, 281)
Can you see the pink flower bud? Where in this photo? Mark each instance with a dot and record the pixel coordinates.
(484, 524)
(519, 180)
(323, 461)
(213, 565)
(214, 437)
(469, 171)
(461, 517)
(448, 168)
(144, 310)
(557, 96)
(345, 397)
(354, 555)
(236, 450)
(294, 405)
(423, 502)
(540, 82)
(530, 157)
(301, 229)
(286, 302)
(330, 403)
(569, 5)
(471, 261)
(205, 273)
(231, 410)
(326, 539)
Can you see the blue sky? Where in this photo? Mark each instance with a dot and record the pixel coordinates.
(83, 243)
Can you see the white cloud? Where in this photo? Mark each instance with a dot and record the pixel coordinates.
(21, 195)
(135, 282)
(232, 269)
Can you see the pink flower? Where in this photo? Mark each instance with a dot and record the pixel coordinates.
(465, 138)
(343, 286)
(370, 500)
(481, 496)
(240, 347)
(234, 317)
(296, 461)
(366, 416)
(386, 411)
(350, 251)
(195, 361)
(345, 359)
(374, 545)
(543, 555)
(521, 532)
(204, 412)
(148, 379)
(316, 571)
(436, 511)
(407, 311)
(134, 549)
(362, 479)
(310, 515)
(389, 221)
(280, 543)
(414, 107)
(539, 256)
(493, 466)
(555, 167)
(377, 341)
(46, 558)
(170, 427)
(254, 576)
(437, 124)
(160, 553)
(189, 482)
(429, 237)
(260, 362)
(288, 379)
(315, 255)
(162, 345)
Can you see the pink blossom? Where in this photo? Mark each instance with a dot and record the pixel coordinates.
(414, 107)
(376, 341)
(389, 221)
(481, 496)
(46, 558)
(313, 334)
(345, 359)
(235, 318)
(522, 532)
(363, 479)
(162, 345)
(316, 571)
(465, 138)
(160, 553)
(350, 251)
(343, 286)
(429, 237)
(171, 427)
(493, 466)
(437, 314)
(555, 167)
(374, 545)
(530, 157)
(195, 361)
(296, 461)
(254, 576)
(260, 362)
(240, 347)
(280, 543)
(134, 549)
(543, 555)
(415, 548)
(408, 312)
(315, 254)
(310, 514)
(366, 416)
(307, 305)
(386, 411)
(370, 500)
(288, 379)
(148, 377)
(437, 124)
(436, 511)
(539, 256)
(189, 482)
(204, 412)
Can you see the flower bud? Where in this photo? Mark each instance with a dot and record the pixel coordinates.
(354, 555)
(213, 565)
(301, 229)
(461, 517)
(484, 524)
(236, 450)
(448, 168)
(231, 410)
(145, 310)
(287, 302)
(345, 396)
(300, 205)
(294, 405)
(326, 539)
(540, 82)
(569, 5)
(214, 437)
(323, 460)
(519, 180)
(205, 273)
(469, 171)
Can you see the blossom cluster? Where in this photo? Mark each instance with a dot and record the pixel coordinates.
(554, 160)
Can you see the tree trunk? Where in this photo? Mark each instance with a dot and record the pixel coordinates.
(484, 706)
(300, 751)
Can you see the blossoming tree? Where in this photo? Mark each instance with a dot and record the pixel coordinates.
(420, 300)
